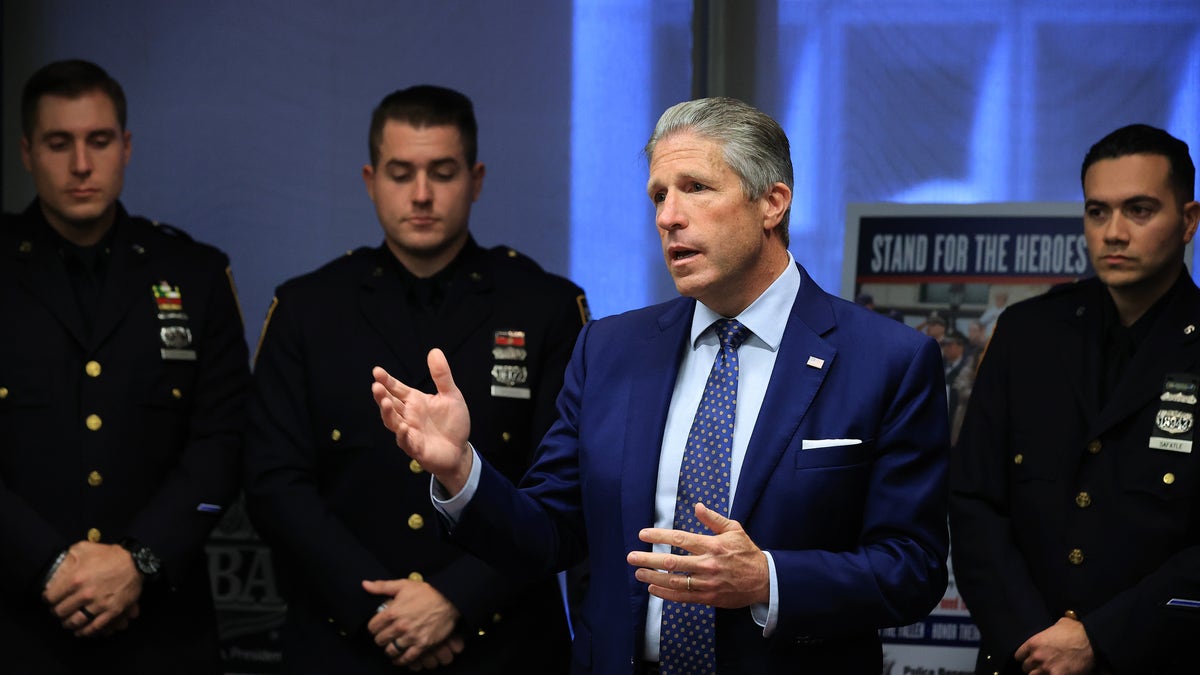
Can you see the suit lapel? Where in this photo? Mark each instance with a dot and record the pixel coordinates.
(1078, 351)
(45, 277)
(385, 308)
(468, 304)
(1172, 340)
(654, 366)
(126, 272)
(793, 386)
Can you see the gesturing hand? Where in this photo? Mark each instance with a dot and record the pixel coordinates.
(725, 569)
(432, 429)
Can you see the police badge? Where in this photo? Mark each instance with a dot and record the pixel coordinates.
(174, 334)
(510, 376)
(1174, 423)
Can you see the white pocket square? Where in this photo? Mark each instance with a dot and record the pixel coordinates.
(828, 443)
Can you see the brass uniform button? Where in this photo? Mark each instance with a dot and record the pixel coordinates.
(336, 435)
(512, 253)
(1018, 459)
(330, 620)
(93, 535)
(415, 466)
(496, 617)
(482, 632)
(1070, 614)
(176, 393)
(25, 247)
(416, 522)
(95, 479)
(3, 393)
(1083, 500)
(1094, 447)
(1075, 556)
(506, 437)
(92, 368)
(476, 276)
(416, 576)
(94, 422)
(1168, 478)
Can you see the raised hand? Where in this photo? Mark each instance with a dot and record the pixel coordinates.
(432, 429)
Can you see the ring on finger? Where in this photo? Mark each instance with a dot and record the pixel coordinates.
(689, 582)
(399, 649)
(84, 611)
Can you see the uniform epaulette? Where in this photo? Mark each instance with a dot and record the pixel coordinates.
(512, 254)
(1064, 287)
(169, 230)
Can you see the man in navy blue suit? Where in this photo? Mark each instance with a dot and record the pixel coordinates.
(810, 486)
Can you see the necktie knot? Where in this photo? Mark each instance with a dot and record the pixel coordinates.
(731, 333)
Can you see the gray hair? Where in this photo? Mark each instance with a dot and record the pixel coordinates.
(753, 143)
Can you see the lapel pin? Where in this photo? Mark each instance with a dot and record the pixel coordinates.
(814, 362)
(1191, 328)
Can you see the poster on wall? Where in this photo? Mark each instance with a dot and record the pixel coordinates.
(949, 271)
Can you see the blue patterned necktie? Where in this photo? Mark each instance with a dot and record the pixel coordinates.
(687, 642)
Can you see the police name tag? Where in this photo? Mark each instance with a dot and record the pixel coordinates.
(1175, 421)
(510, 375)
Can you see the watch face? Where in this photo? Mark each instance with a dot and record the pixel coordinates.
(147, 563)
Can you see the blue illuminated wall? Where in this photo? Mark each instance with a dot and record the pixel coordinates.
(249, 119)
(957, 102)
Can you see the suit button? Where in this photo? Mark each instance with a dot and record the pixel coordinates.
(93, 535)
(415, 466)
(176, 393)
(1083, 500)
(1075, 556)
(95, 479)
(506, 437)
(92, 368)
(1018, 459)
(415, 521)
(3, 393)
(416, 576)
(1094, 447)
(1168, 478)
(94, 422)
(336, 435)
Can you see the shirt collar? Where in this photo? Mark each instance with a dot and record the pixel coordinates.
(762, 317)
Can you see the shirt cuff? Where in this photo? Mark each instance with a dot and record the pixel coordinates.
(452, 507)
(767, 615)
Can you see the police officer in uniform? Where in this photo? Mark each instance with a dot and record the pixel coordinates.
(368, 590)
(123, 372)
(1075, 505)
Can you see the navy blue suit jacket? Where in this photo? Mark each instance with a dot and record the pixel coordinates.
(858, 532)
